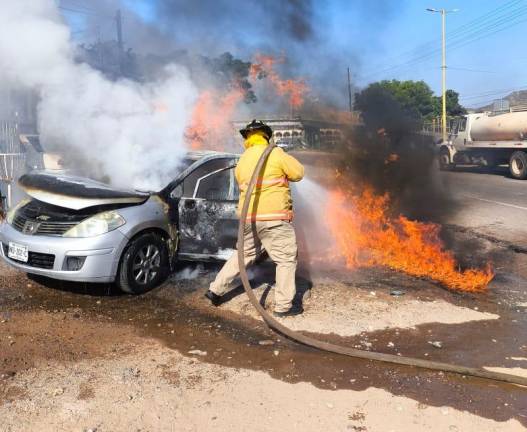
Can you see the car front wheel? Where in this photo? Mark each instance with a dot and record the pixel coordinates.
(144, 264)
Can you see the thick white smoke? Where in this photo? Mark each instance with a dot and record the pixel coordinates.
(131, 132)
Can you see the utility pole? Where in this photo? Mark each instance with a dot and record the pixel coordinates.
(120, 44)
(443, 74)
(349, 91)
(443, 13)
(100, 50)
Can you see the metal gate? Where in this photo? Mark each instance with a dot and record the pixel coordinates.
(12, 159)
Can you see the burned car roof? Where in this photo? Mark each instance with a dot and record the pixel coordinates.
(75, 192)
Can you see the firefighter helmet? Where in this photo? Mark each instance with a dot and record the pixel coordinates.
(257, 125)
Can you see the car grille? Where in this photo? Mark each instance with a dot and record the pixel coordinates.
(42, 228)
(35, 259)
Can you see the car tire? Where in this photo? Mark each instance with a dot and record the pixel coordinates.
(518, 165)
(444, 161)
(144, 264)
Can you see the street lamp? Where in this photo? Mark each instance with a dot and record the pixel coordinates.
(443, 13)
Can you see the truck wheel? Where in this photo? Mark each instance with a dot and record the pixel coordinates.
(518, 165)
(444, 161)
(144, 264)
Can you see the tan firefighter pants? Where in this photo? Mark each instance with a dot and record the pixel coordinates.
(279, 240)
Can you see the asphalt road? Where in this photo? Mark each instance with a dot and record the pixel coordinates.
(491, 204)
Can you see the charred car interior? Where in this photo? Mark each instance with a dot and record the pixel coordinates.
(77, 229)
(204, 209)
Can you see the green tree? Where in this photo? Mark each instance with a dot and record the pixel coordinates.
(395, 105)
(414, 97)
(453, 107)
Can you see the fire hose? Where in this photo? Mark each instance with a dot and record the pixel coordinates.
(338, 349)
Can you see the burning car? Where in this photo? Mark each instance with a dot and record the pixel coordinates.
(77, 229)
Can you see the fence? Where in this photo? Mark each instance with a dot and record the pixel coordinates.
(433, 127)
(9, 142)
(12, 159)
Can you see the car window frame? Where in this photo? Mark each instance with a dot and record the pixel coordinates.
(199, 180)
(171, 187)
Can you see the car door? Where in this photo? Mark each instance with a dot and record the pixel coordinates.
(207, 213)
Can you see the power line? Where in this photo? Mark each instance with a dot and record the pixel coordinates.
(488, 93)
(513, 14)
(489, 98)
(83, 12)
(508, 26)
(424, 48)
(492, 93)
(470, 70)
(501, 21)
(76, 5)
(468, 31)
(467, 39)
(482, 102)
(481, 21)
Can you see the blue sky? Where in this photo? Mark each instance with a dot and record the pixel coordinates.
(399, 39)
(406, 45)
(496, 61)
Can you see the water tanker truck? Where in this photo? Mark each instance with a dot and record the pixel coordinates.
(488, 139)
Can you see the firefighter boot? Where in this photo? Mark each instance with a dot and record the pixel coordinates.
(215, 299)
(296, 309)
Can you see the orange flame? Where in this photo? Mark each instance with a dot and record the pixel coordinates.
(264, 67)
(210, 125)
(366, 235)
(393, 157)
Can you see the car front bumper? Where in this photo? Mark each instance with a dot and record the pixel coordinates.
(102, 254)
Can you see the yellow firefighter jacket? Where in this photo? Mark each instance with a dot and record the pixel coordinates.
(271, 199)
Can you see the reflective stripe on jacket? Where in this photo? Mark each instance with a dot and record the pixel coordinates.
(271, 199)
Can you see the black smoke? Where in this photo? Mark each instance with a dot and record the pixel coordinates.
(317, 49)
(237, 22)
(389, 152)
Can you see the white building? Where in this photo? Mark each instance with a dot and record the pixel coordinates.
(301, 132)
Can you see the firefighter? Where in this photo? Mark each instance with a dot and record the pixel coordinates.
(268, 226)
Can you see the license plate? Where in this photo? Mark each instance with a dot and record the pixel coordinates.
(18, 252)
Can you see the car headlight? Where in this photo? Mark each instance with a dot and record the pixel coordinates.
(96, 225)
(11, 213)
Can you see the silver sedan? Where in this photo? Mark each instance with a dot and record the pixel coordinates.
(77, 229)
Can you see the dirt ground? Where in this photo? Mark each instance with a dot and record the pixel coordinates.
(79, 357)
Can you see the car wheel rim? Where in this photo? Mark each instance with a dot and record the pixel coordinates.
(147, 262)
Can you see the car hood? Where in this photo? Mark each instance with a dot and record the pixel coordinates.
(76, 193)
